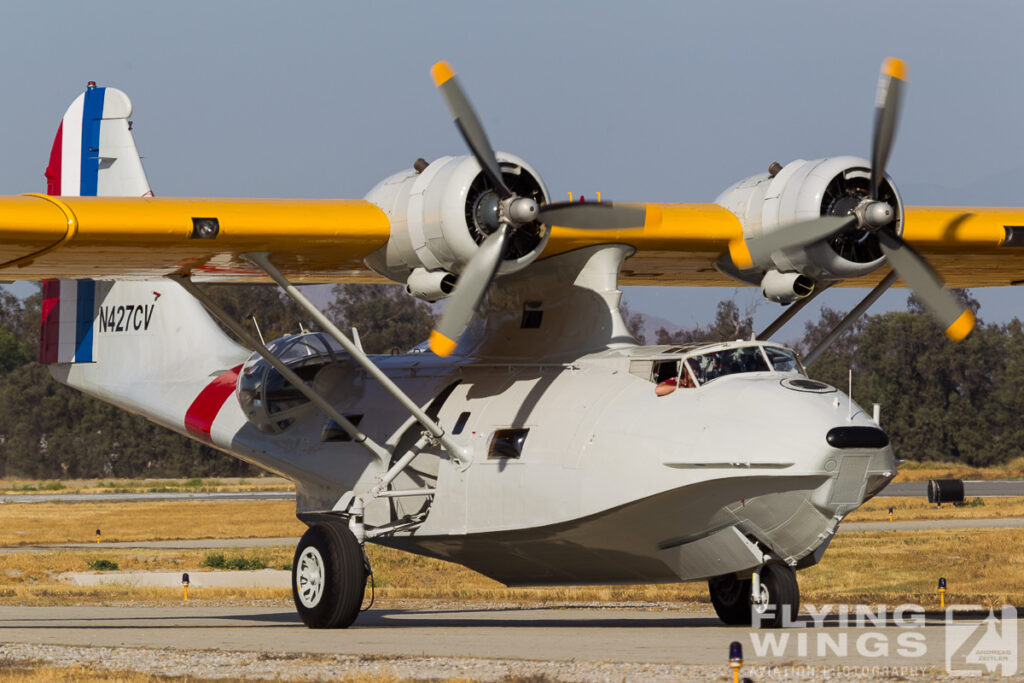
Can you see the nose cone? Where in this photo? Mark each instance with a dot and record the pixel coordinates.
(789, 420)
(812, 457)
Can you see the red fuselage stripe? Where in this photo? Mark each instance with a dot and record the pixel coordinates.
(200, 415)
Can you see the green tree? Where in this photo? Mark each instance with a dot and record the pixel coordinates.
(385, 316)
(834, 364)
(276, 314)
(729, 324)
(49, 430)
(634, 322)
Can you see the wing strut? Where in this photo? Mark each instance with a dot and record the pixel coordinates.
(375, 449)
(851, 317)
(459, 454)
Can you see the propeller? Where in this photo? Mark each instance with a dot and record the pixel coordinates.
(509, 215)
(871, 215)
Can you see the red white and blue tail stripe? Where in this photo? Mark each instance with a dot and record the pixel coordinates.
(94, 153)
(69, 308)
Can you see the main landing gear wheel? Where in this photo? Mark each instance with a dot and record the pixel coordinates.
(328, 577)
(778, 597)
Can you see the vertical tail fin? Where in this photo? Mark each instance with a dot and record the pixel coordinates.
(93, 155)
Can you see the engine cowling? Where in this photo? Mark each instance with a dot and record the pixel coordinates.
(439, 217)
(803, 190)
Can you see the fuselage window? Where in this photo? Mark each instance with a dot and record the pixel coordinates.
(507, 443)
(460, 424)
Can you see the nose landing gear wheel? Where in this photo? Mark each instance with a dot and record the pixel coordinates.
(328, 576)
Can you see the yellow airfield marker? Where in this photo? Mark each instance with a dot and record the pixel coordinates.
(184, 584)
(942, 593)
(735, 659)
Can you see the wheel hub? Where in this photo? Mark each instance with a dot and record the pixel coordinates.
(309, 577)
(761, 600)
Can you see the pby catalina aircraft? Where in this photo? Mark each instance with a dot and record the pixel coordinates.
(533, 441)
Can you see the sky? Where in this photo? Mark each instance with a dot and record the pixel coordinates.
(645, 101)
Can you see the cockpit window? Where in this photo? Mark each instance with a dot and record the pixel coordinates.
(783, 360)
(709, 366)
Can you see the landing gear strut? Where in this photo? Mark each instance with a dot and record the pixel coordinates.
(328, 576)
(775, 600)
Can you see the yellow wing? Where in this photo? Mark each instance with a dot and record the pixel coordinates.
(101, 237)
(328, 240)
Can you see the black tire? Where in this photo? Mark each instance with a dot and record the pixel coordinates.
(783, 602)
(330, 552)
(730, 597)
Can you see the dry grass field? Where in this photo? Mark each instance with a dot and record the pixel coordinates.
(915, 509)
(222, 485)
(923, 471)
(51, 523)
(48, 523)
(982, 566)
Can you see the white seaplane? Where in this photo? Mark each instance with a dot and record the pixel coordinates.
(533, 439)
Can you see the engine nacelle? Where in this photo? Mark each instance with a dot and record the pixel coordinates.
(785, 288)
(804, 190)
(430, 285)
(438, 217)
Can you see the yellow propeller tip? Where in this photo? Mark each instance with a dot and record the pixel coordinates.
(962, 326)
(442, 72)
(440, 344)
(896, 68)
(740, 254)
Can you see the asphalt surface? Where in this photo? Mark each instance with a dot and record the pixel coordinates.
(617, 635)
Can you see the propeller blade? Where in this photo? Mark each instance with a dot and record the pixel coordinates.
(954, 317)
(469, 125)
(887, 113)
(469, 290)
(756, 251)
(594, 215)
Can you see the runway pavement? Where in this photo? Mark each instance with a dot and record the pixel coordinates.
(587, 634)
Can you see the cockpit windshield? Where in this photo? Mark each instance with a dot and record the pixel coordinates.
(753, 358)
(709, 366)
